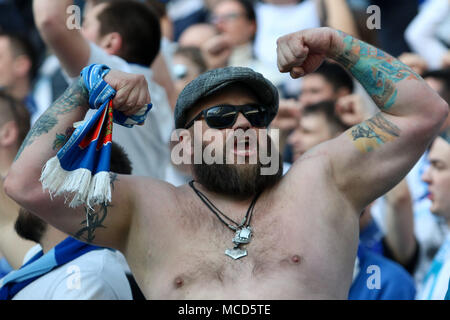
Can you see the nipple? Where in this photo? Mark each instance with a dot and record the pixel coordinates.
(179, 282)
(295, 259)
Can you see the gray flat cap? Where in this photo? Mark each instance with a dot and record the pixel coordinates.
(212, 81)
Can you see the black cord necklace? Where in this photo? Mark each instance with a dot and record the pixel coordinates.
(243, 231)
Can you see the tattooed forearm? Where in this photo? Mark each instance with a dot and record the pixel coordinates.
(376, 70)
(75, 96)
(373, 133)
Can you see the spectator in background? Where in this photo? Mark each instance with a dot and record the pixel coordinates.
(160, 9)
(428, 34)
(394, 282)
(197, 34)
(188, 64)
(437, 176)
(124, 35)
(18, 65)
(414, 61)
(216, 48)
(236, 19)
(162, 74)
(16, 16)
(278, 17)
(394, 19)
(329, 82)
(14, 126)
(318, 123)
(185, 13)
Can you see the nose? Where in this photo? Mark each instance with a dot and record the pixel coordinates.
(426, 176)
(242, 123)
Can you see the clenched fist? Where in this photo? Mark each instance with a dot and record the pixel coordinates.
(302, 52)
(131, 91)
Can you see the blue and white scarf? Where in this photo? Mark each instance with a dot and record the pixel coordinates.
(81, 166)
(41, 264)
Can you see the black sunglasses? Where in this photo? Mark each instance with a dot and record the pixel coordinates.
(225, 115)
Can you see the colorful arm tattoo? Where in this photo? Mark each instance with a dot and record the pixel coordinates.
(373, 132)
(377, 71)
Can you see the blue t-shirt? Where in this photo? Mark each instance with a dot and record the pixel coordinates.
(371, 237)
(379, 278)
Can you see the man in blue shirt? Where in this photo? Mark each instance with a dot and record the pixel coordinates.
(378, 278)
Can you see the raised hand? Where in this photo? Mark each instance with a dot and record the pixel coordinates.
(288, 115)
(302, 52)
(351, 109)
(131, 91)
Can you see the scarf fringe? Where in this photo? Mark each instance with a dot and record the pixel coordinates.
(85, 188)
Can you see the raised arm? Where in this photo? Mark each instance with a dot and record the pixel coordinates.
(400, 224)
(373, 156)
(339, 16)
(22, 183)
(57, 25)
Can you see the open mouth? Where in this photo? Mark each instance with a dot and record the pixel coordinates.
(243, 147)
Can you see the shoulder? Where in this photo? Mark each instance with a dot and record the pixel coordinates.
(314, 164)
(156, 194)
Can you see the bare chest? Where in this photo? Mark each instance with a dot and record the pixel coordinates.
(282, 249)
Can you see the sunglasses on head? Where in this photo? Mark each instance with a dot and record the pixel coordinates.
(225, 115)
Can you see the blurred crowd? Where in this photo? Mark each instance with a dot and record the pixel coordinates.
(44, 44)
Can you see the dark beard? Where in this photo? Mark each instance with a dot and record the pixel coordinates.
(30, 226)
(238, 180)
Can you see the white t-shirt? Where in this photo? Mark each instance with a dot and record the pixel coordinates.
(424, 33)
(147, 146)
(96, 275)
(275, 21)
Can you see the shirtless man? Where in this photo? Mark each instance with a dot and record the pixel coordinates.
(305, 224)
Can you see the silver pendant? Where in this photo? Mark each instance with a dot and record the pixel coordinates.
(236, 253)
(243, 236)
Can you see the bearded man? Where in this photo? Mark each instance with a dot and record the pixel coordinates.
(231, 234)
